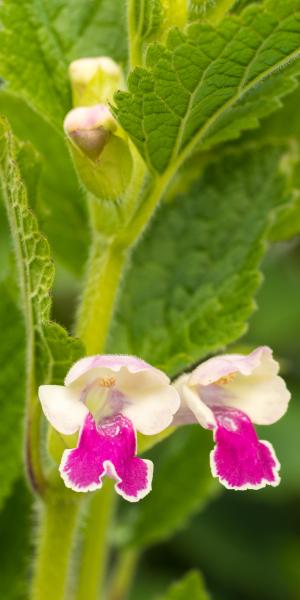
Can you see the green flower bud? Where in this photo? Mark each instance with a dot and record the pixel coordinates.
(102, 158)
(94, 80)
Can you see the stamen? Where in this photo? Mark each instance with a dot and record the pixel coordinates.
(106, 382)
(226, 379)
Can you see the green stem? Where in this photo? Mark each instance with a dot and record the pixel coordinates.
(33, 463)
(55, 546)
(216, 13)
(103, 278)
(124, 574)
(95, 543)
(134, 40)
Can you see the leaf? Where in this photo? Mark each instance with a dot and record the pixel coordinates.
(60, 206)
(50, 351)
(191, 587)
(16, 549)
(284, 127)
(190, 288)
(39, 38)
(12, 386)
(287, 224)
(182, 485)
(207, 85)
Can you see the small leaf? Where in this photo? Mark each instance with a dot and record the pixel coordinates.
(191, 587)
(208, 84)
(182, 485)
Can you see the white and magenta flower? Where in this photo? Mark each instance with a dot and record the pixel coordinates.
(228, 394)
(108, 398)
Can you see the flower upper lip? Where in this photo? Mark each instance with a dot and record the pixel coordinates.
(149, 399)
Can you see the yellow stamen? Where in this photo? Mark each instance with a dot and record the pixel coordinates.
(107, 382)
(226, 379)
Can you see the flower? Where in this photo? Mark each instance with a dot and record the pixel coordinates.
(228, 394)
(108, 398)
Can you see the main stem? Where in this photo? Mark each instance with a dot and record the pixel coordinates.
(96, 544)
(104, 272)
(56, 535)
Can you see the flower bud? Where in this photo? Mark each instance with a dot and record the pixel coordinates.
(89, 128)
(94, 80)
(101, 156)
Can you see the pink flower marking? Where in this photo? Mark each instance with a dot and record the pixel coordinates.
(108, 398)
(239, 459)
(107, 449)
(227, 394)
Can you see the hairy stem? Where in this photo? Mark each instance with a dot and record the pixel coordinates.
(95, 544)
(55, 546)
(134, 37)
(104, 272)
(33, 464)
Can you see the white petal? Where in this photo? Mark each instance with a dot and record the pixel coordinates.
(151, 411)
(192, 409)
(203, 414)
(217, 367)
(62, 408)
(87, 369)
(78, 369)
(263, 395)
(256, 389)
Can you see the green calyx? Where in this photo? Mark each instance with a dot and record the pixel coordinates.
(101, 156)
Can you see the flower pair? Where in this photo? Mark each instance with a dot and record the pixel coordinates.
(110, 397)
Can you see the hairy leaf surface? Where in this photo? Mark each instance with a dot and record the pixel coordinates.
(208, 84)
(50, 351)
(190, 288)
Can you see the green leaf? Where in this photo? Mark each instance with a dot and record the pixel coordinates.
(60, 206)
(284, 127)
(50, 350)
(16, 549)
(207, 85)
(191, 587)
(182, 485)
(194, 275)
(12, 386)
(40, 38)
(287, 224)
